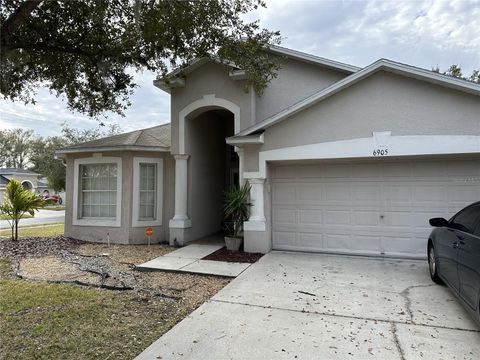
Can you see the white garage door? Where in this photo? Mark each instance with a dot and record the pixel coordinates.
(374, 208)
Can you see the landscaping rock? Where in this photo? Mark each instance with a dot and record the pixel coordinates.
(37, 247)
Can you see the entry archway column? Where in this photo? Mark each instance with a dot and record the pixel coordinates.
(241, 166)
(257, 212)
(256, 236)
(181, 219)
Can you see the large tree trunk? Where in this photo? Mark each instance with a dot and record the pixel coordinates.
(14, 21)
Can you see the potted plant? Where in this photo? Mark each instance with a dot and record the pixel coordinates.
(236, 209)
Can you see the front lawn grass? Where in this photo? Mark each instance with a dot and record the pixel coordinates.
(58, 321)
(35, 231)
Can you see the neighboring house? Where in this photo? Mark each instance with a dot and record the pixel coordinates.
(340, 159)
(29, 180)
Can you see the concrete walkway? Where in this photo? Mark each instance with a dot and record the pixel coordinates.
(189, 259)
(312, 306)
(42, 217)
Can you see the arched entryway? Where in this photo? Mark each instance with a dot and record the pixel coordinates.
(204, 166)
(213, 167)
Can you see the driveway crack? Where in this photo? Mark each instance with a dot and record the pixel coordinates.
(270, 307)
(397, 341)
(408, 302)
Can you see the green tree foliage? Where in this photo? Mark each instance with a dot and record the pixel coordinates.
(22, 149)
(19, 201)
(85, 50)
(45, 163)
(15, 147)
(455, 70)
(76, 136)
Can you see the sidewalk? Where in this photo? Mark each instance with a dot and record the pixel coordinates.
(42, 217)
(188, 259)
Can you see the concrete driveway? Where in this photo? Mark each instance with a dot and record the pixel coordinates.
(306, 306)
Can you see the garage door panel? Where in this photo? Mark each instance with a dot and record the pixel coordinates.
(378, 208)
(366, 218)
(340, 171)
(398, 193)
(309, 240)
(401, 246)
(428, 169)
(283, 194)
(395, 171)
(282, 238)
(337, 242)
(463, 193)
(368, 170)
(310, 216)
(463, 168)
(337, 217)
(366, 243)
(309, 193)
(399, 219)
(284, 216)
(430, 193)
(366, 192)
(337, 192)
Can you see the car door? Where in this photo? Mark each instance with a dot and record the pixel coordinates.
(469, 262)
(447, 251)
(456, 235)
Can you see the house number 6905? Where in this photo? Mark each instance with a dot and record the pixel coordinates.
(380, 152)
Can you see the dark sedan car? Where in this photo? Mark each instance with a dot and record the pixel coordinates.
(454, 256)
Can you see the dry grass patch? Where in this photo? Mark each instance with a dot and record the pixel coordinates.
(51, 321)
(132, 254)
(43, 319)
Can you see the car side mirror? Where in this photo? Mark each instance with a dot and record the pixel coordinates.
(438, 222)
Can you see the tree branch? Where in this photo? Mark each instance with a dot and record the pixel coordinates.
(14, 21)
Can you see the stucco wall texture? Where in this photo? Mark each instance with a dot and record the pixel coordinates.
(125, 233)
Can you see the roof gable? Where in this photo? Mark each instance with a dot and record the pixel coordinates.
(382, 64)
(237, 73)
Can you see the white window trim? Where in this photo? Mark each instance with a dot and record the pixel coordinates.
(136, 192)
(117, 222)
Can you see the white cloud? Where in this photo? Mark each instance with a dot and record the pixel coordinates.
(420, 33)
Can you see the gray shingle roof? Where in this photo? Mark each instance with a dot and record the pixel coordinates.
(3, 180)
(154, 137)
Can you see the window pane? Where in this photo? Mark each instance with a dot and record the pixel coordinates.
(99, 190)
(467, 219)
(147, 191)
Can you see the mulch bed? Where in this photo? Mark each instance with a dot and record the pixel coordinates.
(37, 247)
(233, 256)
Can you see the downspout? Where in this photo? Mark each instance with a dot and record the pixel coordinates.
(253, 106)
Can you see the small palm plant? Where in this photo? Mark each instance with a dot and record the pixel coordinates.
(19, 201)
(236, 208)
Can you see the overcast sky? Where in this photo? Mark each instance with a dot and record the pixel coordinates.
(420, 33)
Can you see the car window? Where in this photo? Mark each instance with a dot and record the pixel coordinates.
(467, 219)
(476, 232)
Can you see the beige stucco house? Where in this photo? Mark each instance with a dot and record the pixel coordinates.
(29, 179)
(340, 159)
